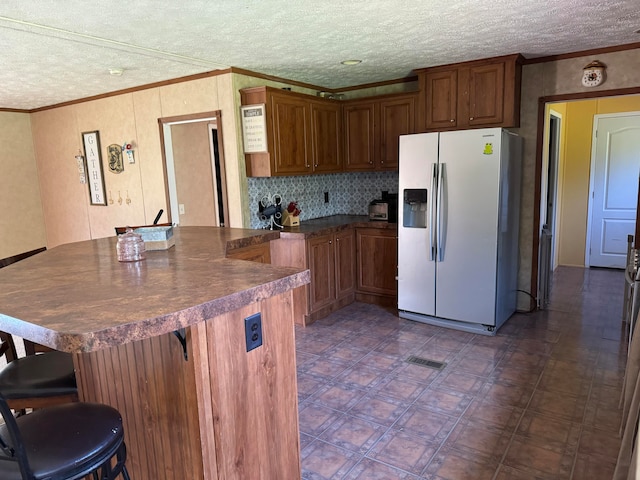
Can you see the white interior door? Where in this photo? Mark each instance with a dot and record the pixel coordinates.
(615, 166)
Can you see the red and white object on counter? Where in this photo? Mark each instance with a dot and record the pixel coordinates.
(291, 217)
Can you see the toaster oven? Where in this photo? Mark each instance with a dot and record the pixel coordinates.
(379, 210)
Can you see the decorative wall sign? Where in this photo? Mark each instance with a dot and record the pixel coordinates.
(95, 174)
(254, 128)
(81, 171)
(116, 165)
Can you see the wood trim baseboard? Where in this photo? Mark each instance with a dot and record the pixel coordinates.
(21, 256)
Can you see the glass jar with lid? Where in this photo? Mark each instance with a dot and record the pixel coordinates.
(130, 247)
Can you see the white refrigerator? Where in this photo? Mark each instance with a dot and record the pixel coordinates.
(458, 220)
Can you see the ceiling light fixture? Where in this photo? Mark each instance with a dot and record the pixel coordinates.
(351, 62)
(117, 72)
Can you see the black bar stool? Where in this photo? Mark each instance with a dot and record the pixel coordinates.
(37, 380)
(63, 442)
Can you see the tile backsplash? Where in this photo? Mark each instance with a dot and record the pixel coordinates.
(349, 193)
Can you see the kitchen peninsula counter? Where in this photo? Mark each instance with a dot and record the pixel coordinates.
(78, 298)
(205, 410)
(333, 224)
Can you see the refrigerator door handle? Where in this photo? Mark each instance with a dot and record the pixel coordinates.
(440, 245)
(432, 206)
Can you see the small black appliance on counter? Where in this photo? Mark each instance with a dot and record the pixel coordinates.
(384, 209)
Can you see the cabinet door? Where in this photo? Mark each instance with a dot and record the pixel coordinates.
(359, 130)
(326, 124)
(345, 252)
(377, 261)
(397, 117)
(291, 120)
(440, 101)
(320, 251)
(255, 253)
(486, 94)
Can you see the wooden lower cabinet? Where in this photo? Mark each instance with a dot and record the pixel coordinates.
(345, 261)
(321, 262)
(255, 253)
(345, 265)
(377, 265)
(331, 260)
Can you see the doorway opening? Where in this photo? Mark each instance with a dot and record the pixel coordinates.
(193, 159)
(569, 228)
(548, 234)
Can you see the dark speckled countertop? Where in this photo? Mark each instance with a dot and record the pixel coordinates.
(77, 297)
(332, 224)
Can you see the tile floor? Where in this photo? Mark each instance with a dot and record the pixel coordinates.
(537, 401)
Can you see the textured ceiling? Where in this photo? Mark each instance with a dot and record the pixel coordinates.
(53, 51)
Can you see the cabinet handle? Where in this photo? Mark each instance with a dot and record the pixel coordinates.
(316, 165)
(452, 120)
(329, 242)
(470, 118)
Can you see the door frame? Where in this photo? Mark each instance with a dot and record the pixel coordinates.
(540, 146)
(594, 139)
(552, 161)
(171, 196)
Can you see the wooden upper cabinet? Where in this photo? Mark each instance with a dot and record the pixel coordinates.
(303, 133)
(326, 127)
(440, 100)
(486, 94)
(482, 93)
(291, 132)
(397, 117)
(372, 128)
(359, 135)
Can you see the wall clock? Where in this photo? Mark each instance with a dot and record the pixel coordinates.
(594, 74)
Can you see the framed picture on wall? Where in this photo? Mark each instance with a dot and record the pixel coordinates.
(95, 173)
(254, 128)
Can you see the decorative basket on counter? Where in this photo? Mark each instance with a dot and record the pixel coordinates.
(155, 237)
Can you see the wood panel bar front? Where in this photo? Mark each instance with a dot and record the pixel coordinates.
(224, 413)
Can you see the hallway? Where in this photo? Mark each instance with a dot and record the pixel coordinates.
(537, 401)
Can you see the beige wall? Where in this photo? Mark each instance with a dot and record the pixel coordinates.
(576, 166)
(131, 117)
(555, 78)
(21, 220)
